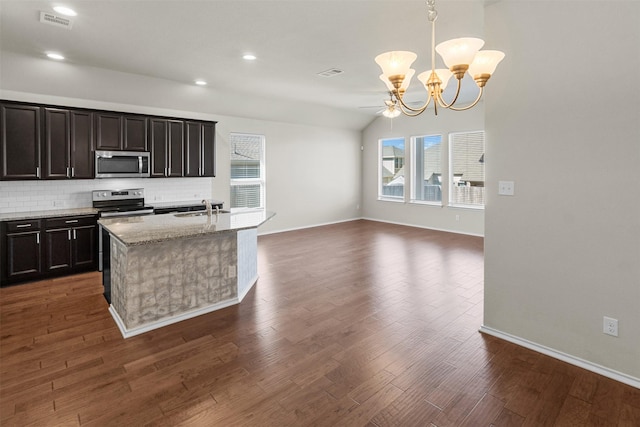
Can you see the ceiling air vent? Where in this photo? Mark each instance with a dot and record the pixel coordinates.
(57, 20)
(330, 72)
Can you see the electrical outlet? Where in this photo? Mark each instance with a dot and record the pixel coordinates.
(506, 188)
(610, 326)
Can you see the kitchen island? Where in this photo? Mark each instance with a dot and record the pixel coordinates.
(167, 268)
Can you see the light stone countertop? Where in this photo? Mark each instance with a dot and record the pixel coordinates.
(145, 229)
(18, 216)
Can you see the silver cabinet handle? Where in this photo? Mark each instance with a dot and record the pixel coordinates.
(68, 172)
(38, 171)
(69, 234)
(74, 234)
(23, 225)
(73, 172)
(71, 221)
(38, 238)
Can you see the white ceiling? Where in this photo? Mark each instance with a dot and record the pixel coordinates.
(293, 40)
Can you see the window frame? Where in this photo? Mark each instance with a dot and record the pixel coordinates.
(451, 173)
(380, 160)
(413, 184)
(236, 182)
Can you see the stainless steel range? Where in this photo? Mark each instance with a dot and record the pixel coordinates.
(120, 202)
(116, 203)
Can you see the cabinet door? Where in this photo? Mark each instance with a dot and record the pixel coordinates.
(176, 148)
(58, 250)
(23, 254)
(208, 150)
(85, 247)
(158, 129)
(193, 149)
(135, 133)
(57, 153)
(108, 131)
(19, 142)
(82, 145)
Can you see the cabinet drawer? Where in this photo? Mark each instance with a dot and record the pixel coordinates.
(23, 225)
(70, 221)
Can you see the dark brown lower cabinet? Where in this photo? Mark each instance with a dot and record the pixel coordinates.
(33, 250)
(21, 251)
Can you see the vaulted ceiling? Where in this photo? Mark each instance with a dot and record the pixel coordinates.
(293, 40)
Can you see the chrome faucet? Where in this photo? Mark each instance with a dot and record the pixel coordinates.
(207, 204)
(217, 210)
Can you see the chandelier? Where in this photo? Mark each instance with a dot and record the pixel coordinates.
(459, 55)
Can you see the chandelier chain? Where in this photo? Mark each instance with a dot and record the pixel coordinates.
(433, 13)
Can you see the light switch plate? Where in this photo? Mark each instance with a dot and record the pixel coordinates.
(506, 188)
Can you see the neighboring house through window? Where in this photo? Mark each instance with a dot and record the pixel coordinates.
(391, 180)
(247, 171)
(427, 169)
(466, 158)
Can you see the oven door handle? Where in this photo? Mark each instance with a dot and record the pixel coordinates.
(139, 164)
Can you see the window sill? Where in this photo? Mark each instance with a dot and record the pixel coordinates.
(391, 199)
(472, 207)
(426, 203)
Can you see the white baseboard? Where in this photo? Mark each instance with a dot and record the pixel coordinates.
(246, 291)
(581, 363)
(423, 227)
(306, 226)
(369, 219)
(127, 333)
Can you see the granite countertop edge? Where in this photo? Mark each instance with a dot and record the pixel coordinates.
(18, 216)
(171, 229)
(186, 235)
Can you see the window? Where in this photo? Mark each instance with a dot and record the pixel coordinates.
(247, 171)
(466, 156)
(391, 168)
(427, 168)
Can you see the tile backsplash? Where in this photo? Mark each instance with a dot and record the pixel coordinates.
(25, 196)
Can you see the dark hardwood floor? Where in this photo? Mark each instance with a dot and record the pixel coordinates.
(355, 324)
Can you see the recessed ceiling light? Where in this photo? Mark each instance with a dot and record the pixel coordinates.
(54, 55)
(200, 82)
(249, 57)
(65, 11)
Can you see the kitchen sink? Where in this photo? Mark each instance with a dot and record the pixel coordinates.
(199, 213)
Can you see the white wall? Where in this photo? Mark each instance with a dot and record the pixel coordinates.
(470, 221)
(565, 126)
(313, 171)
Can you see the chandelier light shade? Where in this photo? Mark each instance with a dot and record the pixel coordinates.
(460, 55)
(457, 52)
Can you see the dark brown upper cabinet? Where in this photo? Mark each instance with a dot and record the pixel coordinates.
(199, 150)
(121, 132)
(68, 144)
(57, 142)
(20, 141)
(135, 133)
(108, 131)
(167, 147)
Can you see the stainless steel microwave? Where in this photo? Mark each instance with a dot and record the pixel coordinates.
(122, 164)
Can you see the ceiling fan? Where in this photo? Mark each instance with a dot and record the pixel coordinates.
(391, 107)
